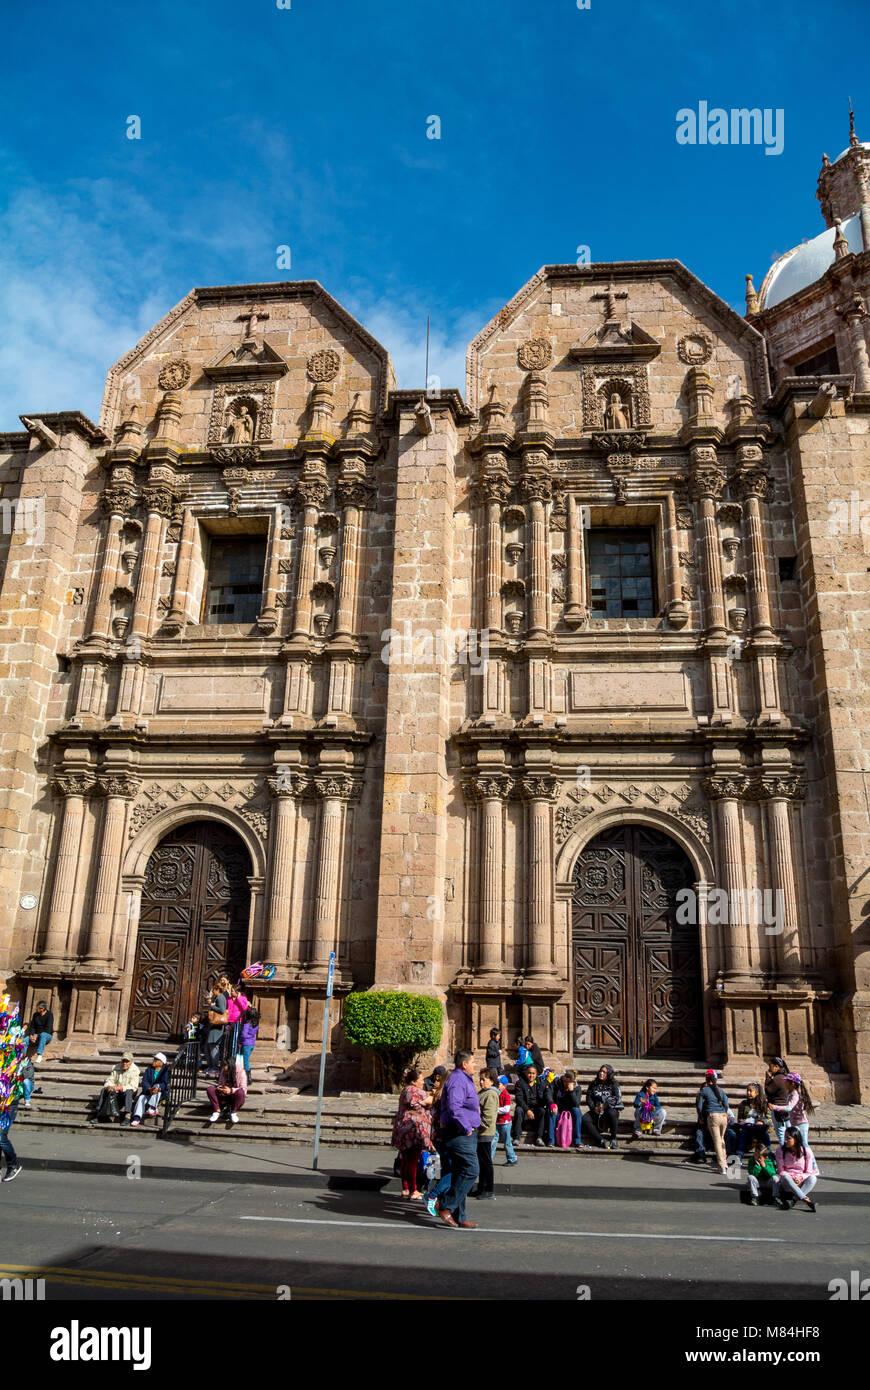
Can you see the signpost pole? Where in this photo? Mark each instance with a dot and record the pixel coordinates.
(326, 1012)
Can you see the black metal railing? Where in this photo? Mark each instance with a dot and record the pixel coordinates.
(181, 1084)
(229, 1044)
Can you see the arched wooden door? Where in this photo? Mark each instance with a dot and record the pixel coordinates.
(637, 971)
(193, 925)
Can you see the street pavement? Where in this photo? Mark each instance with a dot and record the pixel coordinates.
(265, 1226)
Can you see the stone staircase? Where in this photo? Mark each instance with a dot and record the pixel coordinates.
(280, 1112)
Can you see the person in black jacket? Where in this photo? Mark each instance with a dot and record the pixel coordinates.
(493, 1051)
(524, 1107)
(534, 1103)
(568, 1098)
(604, 1099)
(41, 1029)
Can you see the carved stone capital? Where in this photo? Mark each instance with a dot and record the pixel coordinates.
(117, 500)
(119, 784)
(158, 499)
(337, 786)
(706, 481)
(310, 492)
(754, 482)
(487, 786)
(354, 492)
(725, 786)
(778, 787)
(288, 783)
(493, 487)
(852, 309)
(538, 787)
(73, 784)
(535, 487)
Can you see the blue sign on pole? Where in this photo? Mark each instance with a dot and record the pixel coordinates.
(329, 979)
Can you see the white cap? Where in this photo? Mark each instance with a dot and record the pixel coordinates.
(159, 1056)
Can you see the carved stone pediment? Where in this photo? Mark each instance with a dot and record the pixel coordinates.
(616, 342)
(246, 363)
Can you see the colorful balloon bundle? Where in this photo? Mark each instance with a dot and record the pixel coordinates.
(13, 1046)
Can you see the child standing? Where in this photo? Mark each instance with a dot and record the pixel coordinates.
(248, 1036)
(503, 1126)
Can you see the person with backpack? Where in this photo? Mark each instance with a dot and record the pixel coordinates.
(778, 1089)
(568, 1103)
(248, 1038)
(797, 1108)
(503, 1126)
(119, 1091)
(604, 1102)
(715, 1111)
(649, 1116)
(761, 1174)
(797, 1172)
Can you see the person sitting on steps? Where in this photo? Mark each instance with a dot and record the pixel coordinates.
(119, 1091)
(604, 1101)
(229, 1092)
(154, 1084)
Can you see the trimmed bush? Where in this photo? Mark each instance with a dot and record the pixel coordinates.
(396, 1026)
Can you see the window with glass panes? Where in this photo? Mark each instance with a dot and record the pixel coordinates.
(621, 580)
(234, 585)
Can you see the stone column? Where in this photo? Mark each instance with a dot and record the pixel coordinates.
(335, 790)
(726, 792)
(537, 490)
(575, 612)
(755, 487)
(73, 787)
(707, 483)
(678, 613)
(268, 619)
(779, 792)
(179, 614)
(158, 505)
(539, 792)
(310, 494)
(116, 503)
(493, 490)
(490, 792)
(854, 311)
(352, 495)
(287, 787)
(118, 789)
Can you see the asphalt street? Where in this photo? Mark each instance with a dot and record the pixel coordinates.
(106, 1237)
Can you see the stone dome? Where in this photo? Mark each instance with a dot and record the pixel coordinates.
(807, 263)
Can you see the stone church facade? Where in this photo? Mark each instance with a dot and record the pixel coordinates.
(549, 698)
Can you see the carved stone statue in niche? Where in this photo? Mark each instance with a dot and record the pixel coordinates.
(617, 416)
(240, 423)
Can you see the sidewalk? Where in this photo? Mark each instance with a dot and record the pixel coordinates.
(541, 1174)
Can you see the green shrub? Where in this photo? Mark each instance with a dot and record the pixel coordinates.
(395, 1026)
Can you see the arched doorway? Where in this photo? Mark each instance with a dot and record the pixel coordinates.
(193, 925)
(637, 971)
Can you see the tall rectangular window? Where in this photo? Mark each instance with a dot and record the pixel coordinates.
(621, 576)
(234, 582)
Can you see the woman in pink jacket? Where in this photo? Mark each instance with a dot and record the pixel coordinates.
(797, 1173)
(229, 1092)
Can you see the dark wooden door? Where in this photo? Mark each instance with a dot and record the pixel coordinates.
(637, 971)
(193, 926)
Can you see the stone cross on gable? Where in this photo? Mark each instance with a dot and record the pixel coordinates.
(250, 317)
(610, 296)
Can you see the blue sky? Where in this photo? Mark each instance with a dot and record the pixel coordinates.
(306, 127)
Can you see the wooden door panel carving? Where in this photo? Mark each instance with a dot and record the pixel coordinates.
(637, 974)
(192, 927)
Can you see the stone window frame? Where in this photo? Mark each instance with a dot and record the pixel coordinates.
(208, 523)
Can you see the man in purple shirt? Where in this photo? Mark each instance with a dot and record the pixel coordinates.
(460, 1121)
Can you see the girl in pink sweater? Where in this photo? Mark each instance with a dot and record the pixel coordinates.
(797, 1173)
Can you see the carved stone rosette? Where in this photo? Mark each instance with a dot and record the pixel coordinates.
(535, 355)
(174, 375)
